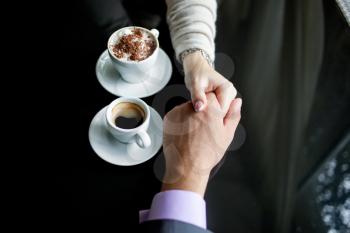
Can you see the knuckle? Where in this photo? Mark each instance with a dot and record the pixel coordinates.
(232, 90)
(230, 85)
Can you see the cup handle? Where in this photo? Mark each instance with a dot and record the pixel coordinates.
(155, 32)
(143, 139)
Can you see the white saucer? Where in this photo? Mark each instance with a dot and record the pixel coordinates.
(110, 79)
(115, 152)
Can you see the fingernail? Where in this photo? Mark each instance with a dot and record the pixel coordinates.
(198, 106)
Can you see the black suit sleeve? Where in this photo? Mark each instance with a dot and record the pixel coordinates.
(169, 226)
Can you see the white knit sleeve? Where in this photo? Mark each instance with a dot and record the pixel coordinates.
(192, 25)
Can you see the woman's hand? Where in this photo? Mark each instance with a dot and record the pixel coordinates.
(201, 78)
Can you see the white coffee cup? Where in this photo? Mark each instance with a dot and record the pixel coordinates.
(138, 134)
(133, 71)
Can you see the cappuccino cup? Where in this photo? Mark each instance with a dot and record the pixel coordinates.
(133, 66)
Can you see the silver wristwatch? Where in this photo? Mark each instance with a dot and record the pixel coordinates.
(204, 54)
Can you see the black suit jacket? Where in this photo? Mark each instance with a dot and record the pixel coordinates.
(169, 226)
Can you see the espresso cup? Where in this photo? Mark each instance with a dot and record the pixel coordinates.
(133, 71)
(128, 120)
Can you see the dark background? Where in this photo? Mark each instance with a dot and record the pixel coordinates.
(86, 192)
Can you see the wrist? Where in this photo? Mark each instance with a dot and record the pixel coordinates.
(195, 56)
(193, 60)
(194, 65)
(190, 182)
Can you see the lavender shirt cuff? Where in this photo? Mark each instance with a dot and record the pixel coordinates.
(177, 205)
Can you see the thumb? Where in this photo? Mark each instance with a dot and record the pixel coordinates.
(225, 93)
(199, 99)
(233, 115)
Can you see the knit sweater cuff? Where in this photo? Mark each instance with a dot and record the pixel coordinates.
(192, 25)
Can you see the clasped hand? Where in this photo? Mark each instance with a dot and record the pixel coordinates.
(195, 141)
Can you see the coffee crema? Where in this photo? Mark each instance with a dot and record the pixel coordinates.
(136, 45)
(128, 115)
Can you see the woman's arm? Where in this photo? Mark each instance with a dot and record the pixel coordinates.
(192, 30)
(192, 25)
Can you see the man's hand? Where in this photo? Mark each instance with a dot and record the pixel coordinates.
(201, 78)
(195, 142)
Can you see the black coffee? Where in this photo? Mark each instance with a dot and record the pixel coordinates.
(128, 115)
(128, 123)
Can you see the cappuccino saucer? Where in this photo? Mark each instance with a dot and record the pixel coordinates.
(110, 79)
(115, 152)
